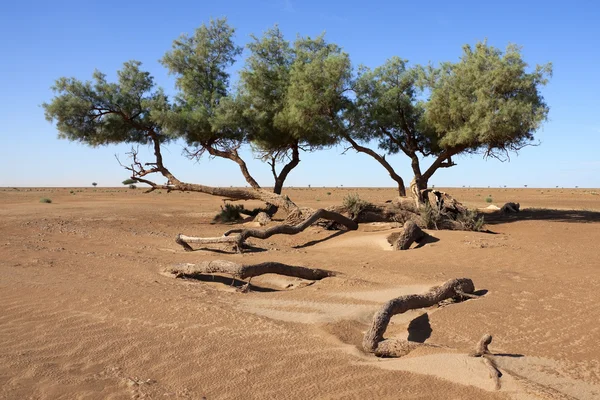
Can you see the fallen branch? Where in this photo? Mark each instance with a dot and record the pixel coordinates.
(240, 271)
(237, 237)
(481, 350)
(373, 341)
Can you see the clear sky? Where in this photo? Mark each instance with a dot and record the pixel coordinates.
(41, 41)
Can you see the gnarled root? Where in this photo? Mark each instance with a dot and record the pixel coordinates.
(373, 341)
(237, 237)
(481, 350)
(411, 233)
(246, 271)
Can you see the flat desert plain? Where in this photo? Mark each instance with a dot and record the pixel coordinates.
(85, 312)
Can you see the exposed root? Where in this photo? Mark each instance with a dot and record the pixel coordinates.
(411, 233)
(481, 348)
(237, 237)
(373, 341)
(246, 271)
(495, 373)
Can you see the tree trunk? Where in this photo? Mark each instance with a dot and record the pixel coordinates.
(237, 237)
(417, 185)
(246, 271)
(381, 160)
(373, 341)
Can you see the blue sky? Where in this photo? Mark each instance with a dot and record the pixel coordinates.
(42, 41)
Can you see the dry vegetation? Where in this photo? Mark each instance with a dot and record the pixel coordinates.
(86, 310)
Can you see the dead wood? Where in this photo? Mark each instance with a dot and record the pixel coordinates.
(411, 233)
(237, 237)
(262, 218)
(246, 271)
(510, 208)
(373, 341)
(495, 373)
(481, 347)
(482, 350)
(443, 202)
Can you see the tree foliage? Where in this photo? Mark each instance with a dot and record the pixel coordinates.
(486, 102)
(304, 96)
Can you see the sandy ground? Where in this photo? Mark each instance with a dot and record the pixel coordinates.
(86, 314)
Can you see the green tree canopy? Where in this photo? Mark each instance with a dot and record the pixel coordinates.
(281, 104)
(99, 113)
(486, 102)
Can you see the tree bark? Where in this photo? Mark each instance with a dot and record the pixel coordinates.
(287, 168)
(411, 233)
(381, 160)
(246, 271)
(373, 341)
(481, 348)
(140, 172)
(235, 157)
(237, 237)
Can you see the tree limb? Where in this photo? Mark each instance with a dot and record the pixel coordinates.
(246, 271)
(373, 341)
(238, 236)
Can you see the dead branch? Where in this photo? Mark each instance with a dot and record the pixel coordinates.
(237, 237)
(411, 233)
(481, 350)
(246, 271)
(373, 341)
(481, 347)
(495, 373)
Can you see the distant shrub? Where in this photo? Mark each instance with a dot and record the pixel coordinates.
(354, 204)
(229, 213)
(132, 186)
(72, 192)
(45, 200)
(488, 199)
(94, 184)
(129, 181)
(328, 193)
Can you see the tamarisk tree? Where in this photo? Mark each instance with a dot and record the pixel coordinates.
(267, 111)
(486, 103)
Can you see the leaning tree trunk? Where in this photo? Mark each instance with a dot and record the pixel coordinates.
(373, 341)
(238, 237)
(417, 185)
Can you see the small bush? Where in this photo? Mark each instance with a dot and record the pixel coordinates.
(129, 181)
(72, 192)
(94, 184)
(354, 204)
(132, 186)
(488, 199)
(45, 200)
(328, 193)
(470, 221)
(431, 217)
(229, 213)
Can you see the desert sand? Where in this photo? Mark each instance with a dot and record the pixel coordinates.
(85, 312)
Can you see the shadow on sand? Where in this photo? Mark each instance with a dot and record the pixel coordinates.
(543, 214)
(237, 283)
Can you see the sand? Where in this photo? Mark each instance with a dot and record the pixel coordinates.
(86, 314)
